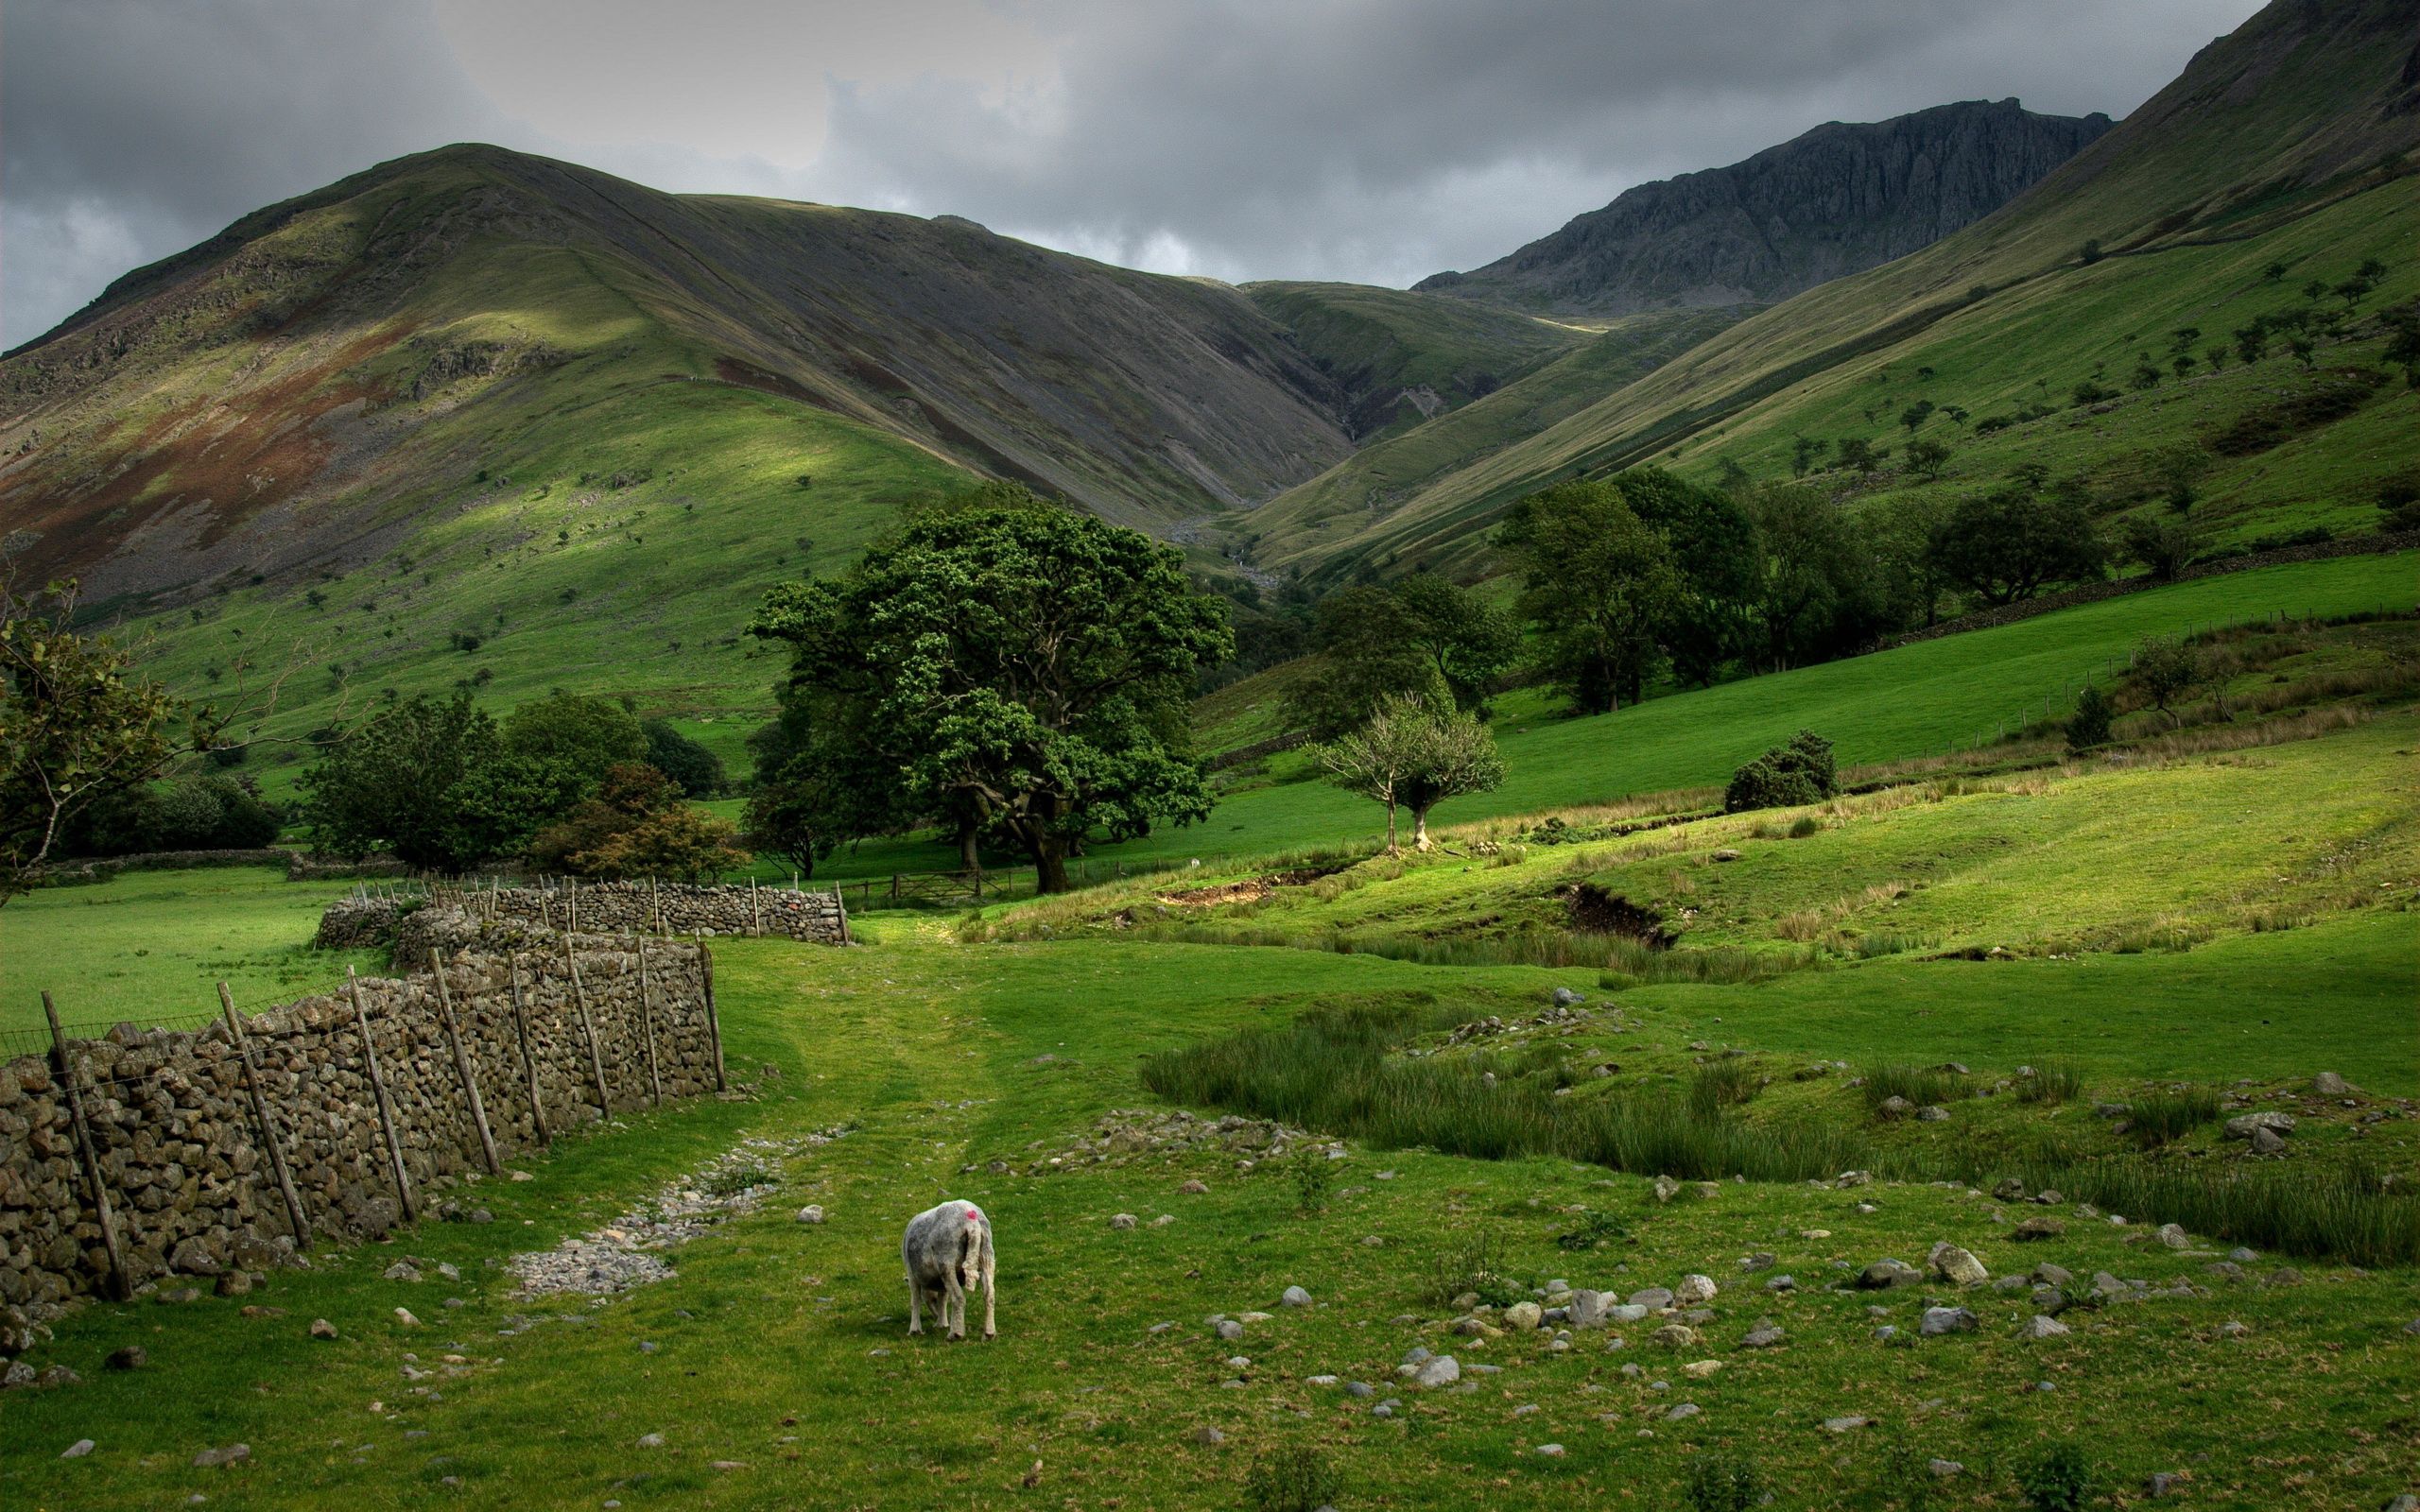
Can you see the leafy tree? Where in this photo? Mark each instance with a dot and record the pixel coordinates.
(1597, 584)
(2163, 546)
(1714, 547)
(2304, 350)
(1857, 453)
(693, 769)
(2008, 544)
(2089, 252)
(2178, 469)
(404, 781)
(2399, 504)
(1421, 635)
(1927, 458)
(2274, 272)
(2146, 374)
(573, 739)
(638, 826)
(1909, 576)
(2166, 668)
(2090, 724)
(815, 782)
(1915, 415)
(77, 727)
(2216, 356)
(1814, 584)
(2251, 342)
(1012, 658)
(1414, 755)
(1805, 452)
(2403, 342)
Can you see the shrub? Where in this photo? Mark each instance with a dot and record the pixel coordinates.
(1596, 1229)
(1721, 1084)
(1296, 1478)
(1474, 1263)
(2090, 724)
(1723, 1482)
(1308, 1172)
(1804, 825)
(2059, 1480)
(1802, 771)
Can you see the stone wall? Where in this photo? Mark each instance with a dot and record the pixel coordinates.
(664, 908)
(182, 1153)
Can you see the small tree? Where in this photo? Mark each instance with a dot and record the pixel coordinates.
(1805, 452)
(1926, 458)
(77, 726)
(2165, 669)
(2163, 546)
(1857, 453)
(2090, 724)
(1915, 415)
(2009, 544)
(1416, 757)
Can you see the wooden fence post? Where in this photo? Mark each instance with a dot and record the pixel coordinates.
(573, 928)
(842, 908)
(528, 1061)
(121, 1286)
(587, 1032)
(714, 1025)
(756, 908)
(646, 1029)
(386, 1109)
(269, 1124)
(462, 1064)
(654, 905)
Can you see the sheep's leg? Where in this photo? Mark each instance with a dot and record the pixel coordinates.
(915, 1298)
(991, 1292)
(953, 1306)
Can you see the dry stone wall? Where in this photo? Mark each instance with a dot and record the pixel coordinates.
(667, 908)
(600, 1025)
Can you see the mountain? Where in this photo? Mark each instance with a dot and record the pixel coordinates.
(288, 394)
(2281, 156)
(1836, 200)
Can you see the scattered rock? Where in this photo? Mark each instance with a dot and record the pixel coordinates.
(1653, 1299)
(133, 1357)
(2174, 1236)
(1208, 1436)
(812, 1212)
(1844, 1425)
(1764, 1336)
(1228, 1327)
(1726, 854)
(1944, 1470)
(322, 1329)
(1666, 1188)
(1438, 1370)
(76, 1450)
(650, 1441)
(1941, 1320)
(2268, 1142)
(234, 1283)
(1957, 1266)
(1885, 1274)
(1675, 1336)
(1294, 1297)
(215, 1458)
(1194, 1188)
(2328, 1083)
(2162, 1483)
(1123, 1220)
(1523, 1316)
(2240, 1126)
(2039, 1326)
(1700, 1369)
(1693, 1290)
(1549, 1452)
(2037, 1227)
(1682, 1412)
(403, 1315)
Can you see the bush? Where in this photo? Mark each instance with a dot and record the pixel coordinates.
(1800, 772)
(2058, 1481)
(1296, 1478)
(1723, 1482)
(1308, 1172)
(2090, 724)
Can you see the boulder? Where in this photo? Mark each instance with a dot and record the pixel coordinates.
(1653, 1299)
(1941, 1320)
(2040, 1327)
(1438, 1370)
(1523, 1316)
(2240, 1126)
(2037, 1227)
(1884, 1273)
(2328, 1083)
(1957, 1266)
(1694, 1288)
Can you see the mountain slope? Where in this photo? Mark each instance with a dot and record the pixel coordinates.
(2287, 141)
(281, 391)
(1401, 357)
(1839, 200)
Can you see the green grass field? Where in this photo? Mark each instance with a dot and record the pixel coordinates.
(151, 946)
(780, 1375)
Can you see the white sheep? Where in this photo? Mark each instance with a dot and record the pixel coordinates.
(948, 1251)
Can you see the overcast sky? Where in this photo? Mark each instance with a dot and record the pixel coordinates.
(1376, 142)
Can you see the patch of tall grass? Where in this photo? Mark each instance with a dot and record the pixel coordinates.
(2053, 1081)
(1920, 1084)
(2156, 1118)
(1627, 962)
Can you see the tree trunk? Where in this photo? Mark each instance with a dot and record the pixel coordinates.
(1420, 829)
(1391, 847)
(969, 858)
(1049, 863)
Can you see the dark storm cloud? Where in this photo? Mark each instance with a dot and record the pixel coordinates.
(1355, 138)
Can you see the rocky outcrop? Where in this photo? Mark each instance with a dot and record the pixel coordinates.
(1835, 201)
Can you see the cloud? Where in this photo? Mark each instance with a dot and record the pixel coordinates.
(1370, 139)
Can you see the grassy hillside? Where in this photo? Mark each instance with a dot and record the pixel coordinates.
(2284, 142)
(1959, 690)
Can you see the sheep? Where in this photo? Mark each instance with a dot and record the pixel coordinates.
(947, 1253)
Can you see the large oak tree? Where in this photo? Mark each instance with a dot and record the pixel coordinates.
(1001, 658)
